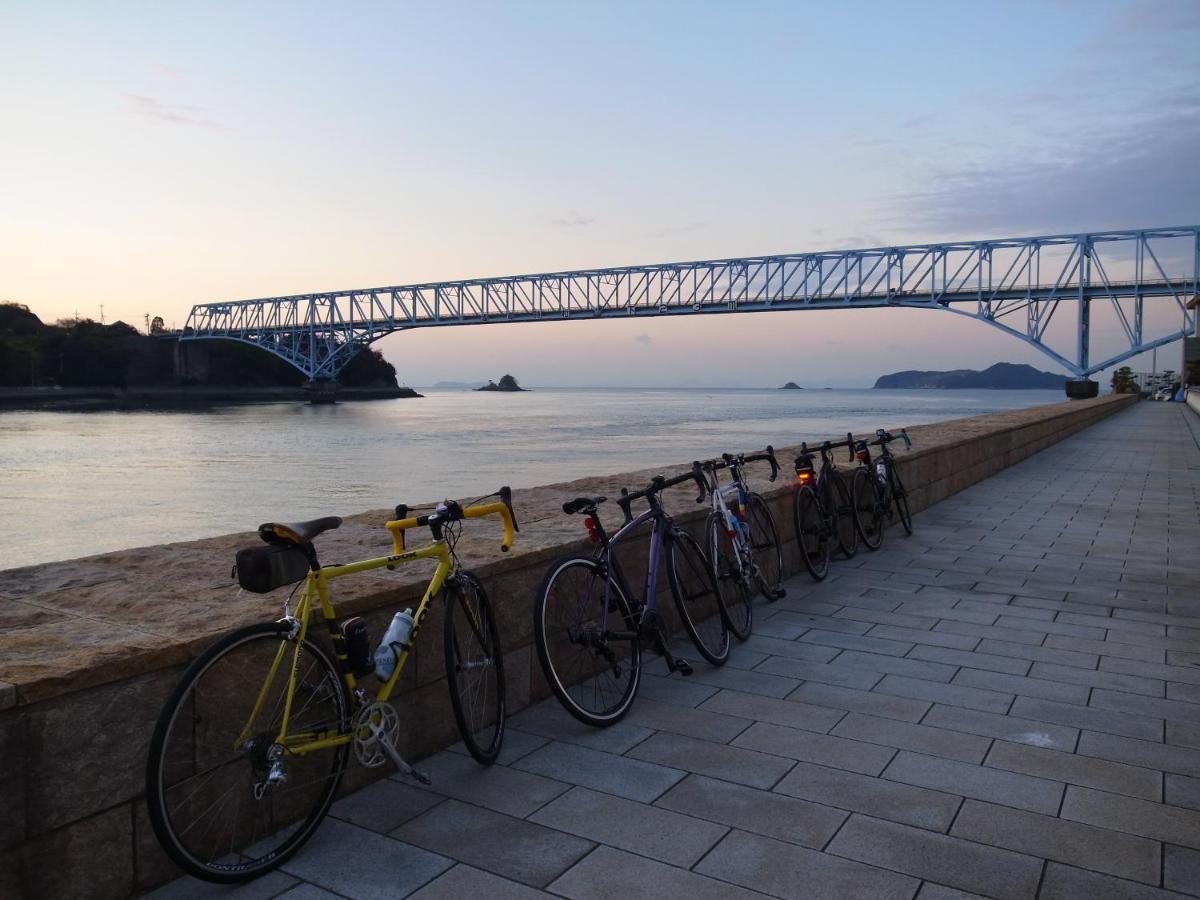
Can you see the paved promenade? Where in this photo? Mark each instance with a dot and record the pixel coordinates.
(1006, 704)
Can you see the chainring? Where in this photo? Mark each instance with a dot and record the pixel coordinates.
(373, 721)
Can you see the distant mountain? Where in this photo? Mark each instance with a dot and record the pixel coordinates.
(1001, 376)
(791, 386)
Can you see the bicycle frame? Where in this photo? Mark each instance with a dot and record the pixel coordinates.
(736, 525)
(316, 591)
(649, 600)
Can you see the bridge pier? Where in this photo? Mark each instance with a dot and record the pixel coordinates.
(321, 391)
(1082, 389)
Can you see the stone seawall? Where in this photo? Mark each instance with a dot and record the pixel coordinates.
(90, 648)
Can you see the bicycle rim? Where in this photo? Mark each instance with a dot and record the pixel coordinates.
(811, 534)
(208, 798)
(844, 525)
(768, 552)
(593, 674)
(868, 511)
(697, 598)
(474, 667)
(727, 569)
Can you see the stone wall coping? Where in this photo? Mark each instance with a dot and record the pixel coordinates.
(70, 625)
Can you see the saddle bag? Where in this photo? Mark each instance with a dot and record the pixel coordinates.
(262, 569)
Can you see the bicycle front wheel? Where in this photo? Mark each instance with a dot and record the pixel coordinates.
(211, 803)
(843, 515)
(588, 646)
(697, 597)
(765, 546)
(727, 568)
(474, 667)
(868, 510)
(900, 496)
(811, 533)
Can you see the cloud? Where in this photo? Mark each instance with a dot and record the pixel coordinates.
(644, 339)
(165, 70)
(573, 220)
(1142, 175)
(675, 229)
(178, 113)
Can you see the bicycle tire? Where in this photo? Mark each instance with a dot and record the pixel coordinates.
(812, 538)
(765, 546)
(727, 570)
(842, 514)
(900, 498)
(214, 705)
(474, 667)
(551, 630)
(707, 627)
(868, 512)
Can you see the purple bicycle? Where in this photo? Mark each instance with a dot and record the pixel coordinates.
(588, 625)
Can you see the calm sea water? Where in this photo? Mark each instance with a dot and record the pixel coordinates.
(73, 484)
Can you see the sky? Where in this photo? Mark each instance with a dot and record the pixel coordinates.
(154, 156)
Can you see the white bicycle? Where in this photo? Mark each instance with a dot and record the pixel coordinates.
(741, 539)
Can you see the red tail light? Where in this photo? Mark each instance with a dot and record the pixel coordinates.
(593, 536)
(804, 476)
(862, 455)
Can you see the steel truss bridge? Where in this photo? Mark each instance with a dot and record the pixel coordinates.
(1016, 284)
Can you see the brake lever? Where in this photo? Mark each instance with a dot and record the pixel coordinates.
(701, 481)
(850, 445)
(904, 435)
(774, 463)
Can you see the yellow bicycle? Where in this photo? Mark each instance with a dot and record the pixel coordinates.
(249, 750)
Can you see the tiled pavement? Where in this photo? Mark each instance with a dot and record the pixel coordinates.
(1006, 704)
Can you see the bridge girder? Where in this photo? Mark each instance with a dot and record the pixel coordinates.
(998, 282)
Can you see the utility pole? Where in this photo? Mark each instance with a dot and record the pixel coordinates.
(101, 313)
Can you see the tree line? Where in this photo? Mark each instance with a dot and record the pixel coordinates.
(80, 352)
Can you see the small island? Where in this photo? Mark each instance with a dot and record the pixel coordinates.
(791, 386)
(1001, 376)
(507, 383)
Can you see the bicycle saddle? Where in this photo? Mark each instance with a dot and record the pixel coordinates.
(579, 504)
(297, 533)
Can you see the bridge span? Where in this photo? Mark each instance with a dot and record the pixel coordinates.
(1014, 284)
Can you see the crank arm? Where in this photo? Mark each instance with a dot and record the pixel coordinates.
(404, 767)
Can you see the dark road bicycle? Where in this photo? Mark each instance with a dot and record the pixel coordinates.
(878, 492)
(742, 543)
(589, 627)
(823, 509)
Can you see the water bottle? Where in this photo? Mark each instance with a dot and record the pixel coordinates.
(393, 640)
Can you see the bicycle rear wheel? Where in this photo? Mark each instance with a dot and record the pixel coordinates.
(811, 534)
(474, 667)
(697, 598)
(900, 496)
(868, 510)
(207, 791)
(727, 569)
(842, 510)
(767, 551)
(591, 657)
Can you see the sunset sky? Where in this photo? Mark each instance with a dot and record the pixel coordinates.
(154, 156)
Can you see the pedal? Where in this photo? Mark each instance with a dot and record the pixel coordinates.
(776, 594)
(682, 666)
